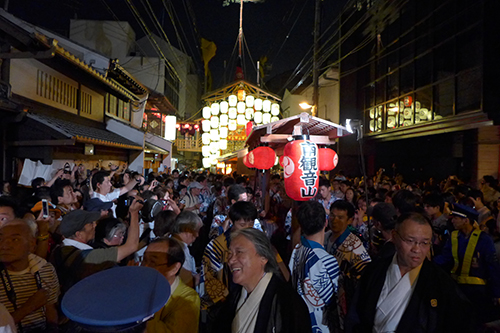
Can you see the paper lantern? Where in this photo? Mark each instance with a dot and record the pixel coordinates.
(257, 117)
(249, 128)
(215, 109)
(266, 118)
(214, 146)
(327, 159)
(249, 101)
(241, 95)
(205, 138)
(232, 113)
(266, 105)
(273, 119)
(232, 125)
(247, 162)
(224, 106)
(206, 162)
(223, 120)
(223, 131)
(170, 127)
(249, 113)
(262, 158)
(275, 109)
(213, 159)
(241, 119)
(232, 100)
(241, 107)
(214, 135)
(223, 144)
(300, 165)
(214, 122)
(207, 112)
(257, 104)
(205, 125)
(205, 151)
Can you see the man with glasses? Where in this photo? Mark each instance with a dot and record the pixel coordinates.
(407, 292)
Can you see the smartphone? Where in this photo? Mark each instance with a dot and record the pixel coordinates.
(45, 209)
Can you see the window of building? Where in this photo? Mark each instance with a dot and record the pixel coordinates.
(423, 71)
(444, 60)
(423, 104)
(444, 96)
(393, 85)
(469, 89)
(374, 118)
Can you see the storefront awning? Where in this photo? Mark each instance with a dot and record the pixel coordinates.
(151, 148)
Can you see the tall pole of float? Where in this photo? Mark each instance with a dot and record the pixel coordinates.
(314, 110)
(240, 34)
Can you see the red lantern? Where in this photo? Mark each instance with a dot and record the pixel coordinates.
(249, 128)
(247, 162)
(300, 164)
(262, 158)
(327, 159)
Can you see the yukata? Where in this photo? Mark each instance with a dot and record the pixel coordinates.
(205, 199)
(315, 275)
(328, 204)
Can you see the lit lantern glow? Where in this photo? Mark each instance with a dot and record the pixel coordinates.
(205, 138)
(257, 117)
(207, 162)
(249, 101)
(232, 113)
(273, 119)
(266, 118)
(205, 151)
(207, 112)
(258, 104)
(205, 125)
(249, 113)
(266, 105)
(213, 159)
(214, 146)
(223, 119)
(215, 109)
(241, 95)
(224, 106)
(214, 135)
(170, 127)
(241, 119)
(223, 144)
(241, 107)
(232, 125)
(275, 109)
(214, 122)
(263, 158)
(223, 132)
(232, 99)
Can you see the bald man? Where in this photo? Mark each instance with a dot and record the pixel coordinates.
(29, 288)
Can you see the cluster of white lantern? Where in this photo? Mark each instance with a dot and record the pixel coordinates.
(224, 116)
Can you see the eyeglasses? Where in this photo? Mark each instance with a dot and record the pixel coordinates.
(414, 243)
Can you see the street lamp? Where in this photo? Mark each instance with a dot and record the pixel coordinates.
(305, 106)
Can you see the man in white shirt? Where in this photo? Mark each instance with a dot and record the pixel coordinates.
(101, 184)
(407, 292)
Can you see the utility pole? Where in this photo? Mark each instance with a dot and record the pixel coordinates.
(314, 110)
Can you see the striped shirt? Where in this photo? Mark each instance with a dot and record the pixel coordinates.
(25, 285)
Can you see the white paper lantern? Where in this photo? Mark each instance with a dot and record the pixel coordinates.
(214, 135)
(232, 99)
(258, 104)
(205, 138)
(207, 112)
(205, 151)
(241, 119)
(223, 119)
(266, 118)
(232, 113)
(275, 109)
(207, 162)
(205, 125)
(224, 105)
(257, 117)
(273, 119)
(266, 105)
(223, 144)
(223, 131)
(214, 146)
(215, 109)
(232, 125)
(241, 107)
(214, 122)
(170, 129)
(249, 101)
(249, 113)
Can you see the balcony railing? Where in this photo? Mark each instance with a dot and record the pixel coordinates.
(189, 143)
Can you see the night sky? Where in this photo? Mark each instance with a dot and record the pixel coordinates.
(265, 25)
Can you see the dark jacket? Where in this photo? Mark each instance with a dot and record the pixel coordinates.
(436, 304)
(281, 310)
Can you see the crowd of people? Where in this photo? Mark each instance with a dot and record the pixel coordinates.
(364, 256)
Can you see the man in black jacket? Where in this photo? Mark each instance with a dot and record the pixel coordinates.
(407, 292)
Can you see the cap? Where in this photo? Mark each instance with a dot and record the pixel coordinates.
(76, 220)
(464, 211)
(52, 208)
(384, 213)
(116, 299)
(96, 205)
(195, 185)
